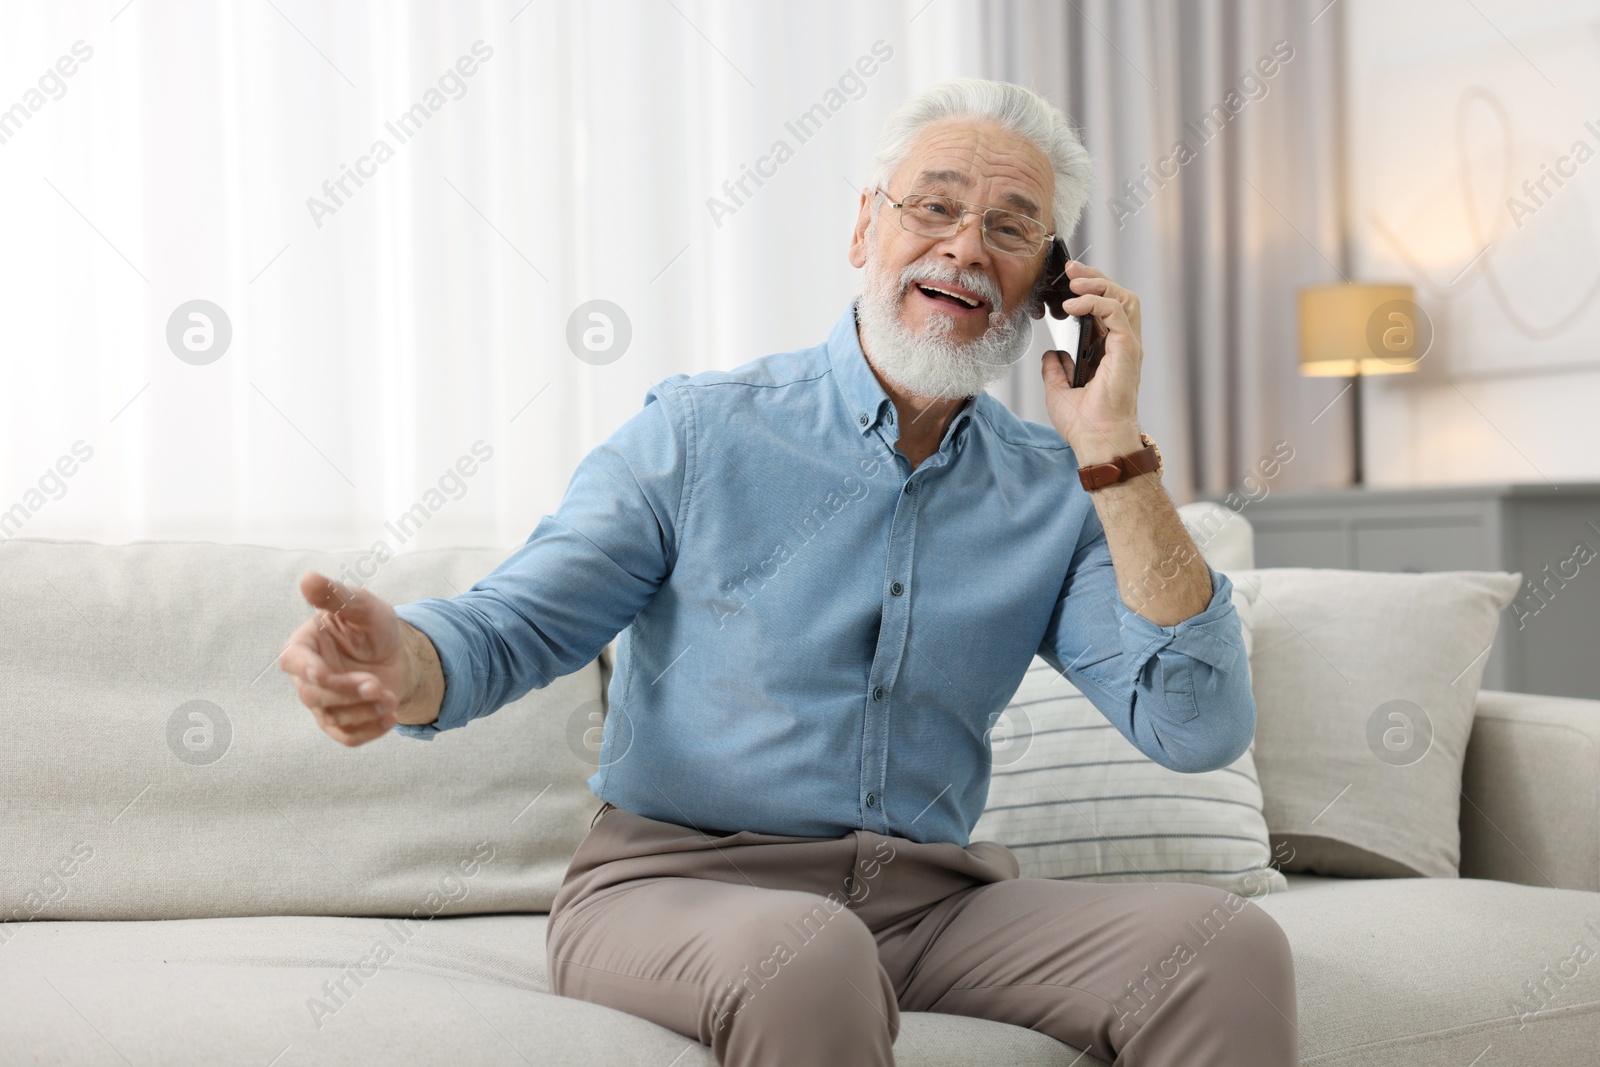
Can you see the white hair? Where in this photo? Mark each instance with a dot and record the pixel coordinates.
(1013, 107)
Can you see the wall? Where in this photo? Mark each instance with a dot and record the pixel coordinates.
(1452, 107)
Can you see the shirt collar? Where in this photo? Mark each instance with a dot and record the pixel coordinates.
(864, 398)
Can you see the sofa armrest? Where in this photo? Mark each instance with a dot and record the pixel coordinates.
(1530, 809)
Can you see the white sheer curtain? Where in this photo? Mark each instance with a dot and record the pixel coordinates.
(374, 345)
(1216, 243)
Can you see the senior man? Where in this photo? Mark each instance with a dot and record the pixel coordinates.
(829, 569)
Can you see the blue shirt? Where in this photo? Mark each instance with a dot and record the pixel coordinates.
(814, 637)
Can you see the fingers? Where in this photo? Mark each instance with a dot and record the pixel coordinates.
(1108, 310)
(352, 707)
(1055, 362)
(354, 716)
(349, 724)
(1056, 370)
(345, 704)
(1088, 280)
(358, 733)
(339, 694)
(1101, 285)
(302, 662)
(328, 594)
(300, 659)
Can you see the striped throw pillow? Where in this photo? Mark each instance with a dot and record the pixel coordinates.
(1075, 800)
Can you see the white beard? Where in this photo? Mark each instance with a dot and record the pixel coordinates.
(933, 363)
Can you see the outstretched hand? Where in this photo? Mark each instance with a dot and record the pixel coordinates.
(349, 661)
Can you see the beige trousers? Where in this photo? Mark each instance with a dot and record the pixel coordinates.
(776, 949)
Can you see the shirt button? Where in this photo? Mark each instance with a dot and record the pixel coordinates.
(896, 589)
(877, 694)
(908, 487)
(872, 800)
(863, 420)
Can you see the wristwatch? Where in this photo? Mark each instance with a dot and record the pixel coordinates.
(1145, 461)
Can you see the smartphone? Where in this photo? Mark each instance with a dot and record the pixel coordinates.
(1079, 336)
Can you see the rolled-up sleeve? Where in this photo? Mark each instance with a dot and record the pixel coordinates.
(581, 577)
(1181, 694)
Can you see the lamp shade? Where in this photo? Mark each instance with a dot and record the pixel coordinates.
(1353, 329)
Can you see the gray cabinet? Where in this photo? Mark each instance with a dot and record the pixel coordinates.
(1548, 640)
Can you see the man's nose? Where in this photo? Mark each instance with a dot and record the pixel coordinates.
(966, 247)
(966, 244)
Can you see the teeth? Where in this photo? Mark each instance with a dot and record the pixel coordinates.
(965, 300)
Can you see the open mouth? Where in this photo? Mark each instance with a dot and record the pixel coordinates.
(949, 297)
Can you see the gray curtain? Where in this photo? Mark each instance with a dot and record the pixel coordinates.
(1219, 238)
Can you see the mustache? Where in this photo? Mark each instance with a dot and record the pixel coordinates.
(972, 280)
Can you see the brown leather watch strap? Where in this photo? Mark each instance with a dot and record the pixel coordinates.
(1100, 475)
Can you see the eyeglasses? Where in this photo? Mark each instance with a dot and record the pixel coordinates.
(933, 215)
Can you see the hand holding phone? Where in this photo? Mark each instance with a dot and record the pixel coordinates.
(1079, 336)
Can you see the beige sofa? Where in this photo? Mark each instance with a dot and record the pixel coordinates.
(262, 895)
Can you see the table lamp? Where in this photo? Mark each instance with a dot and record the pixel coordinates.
(1352, 329)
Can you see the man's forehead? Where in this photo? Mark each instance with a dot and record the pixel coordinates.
(945, 152)
(941, 177)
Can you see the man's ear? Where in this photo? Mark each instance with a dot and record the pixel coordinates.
(858, 237)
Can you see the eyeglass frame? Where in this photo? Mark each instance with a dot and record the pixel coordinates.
(961, 220)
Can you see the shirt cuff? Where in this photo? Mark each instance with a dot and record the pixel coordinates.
(432, 617)
(1213, 636)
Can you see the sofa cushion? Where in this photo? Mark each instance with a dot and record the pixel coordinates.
(470, 989)
(160, 765)
(1395, 973)
(1365, 686)
(1424, 972)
